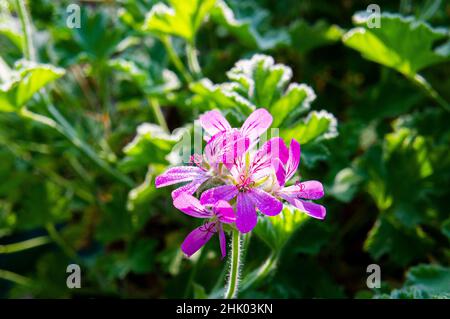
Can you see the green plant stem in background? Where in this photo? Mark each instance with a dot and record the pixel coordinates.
(61, 124)
(158, 113)
(194, 65)
(69, 132)
(28, 48)
(262, 272)
(235, 264)
(193, 274)
(24, 245)
(56, 237)
(175, 59)
(428, 89)
(13, 277)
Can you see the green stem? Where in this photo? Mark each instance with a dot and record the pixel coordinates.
(25, 113)
(56, 237)
(24, 245)
(428, 89)
(28, 48)
(69, 132)
(233, 276)
(262, 272)
(193, 64)
(158, 113)
(193, 274)
(16, 278)
(175, 59)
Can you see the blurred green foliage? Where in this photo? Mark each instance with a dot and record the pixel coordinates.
(369, 106)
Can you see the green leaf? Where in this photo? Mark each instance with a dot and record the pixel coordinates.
(26, 80)
(151, 83)
(97, 38)
(312, 236)
(388, 237)
(151, 145)
(141, 256)
(199, 291)
(306, 37)
(401, 43)
(263, 83)
(446, 228)
(257, 83)
(182, 19)
(433, 279)
(317, 125)
(141, 194)
(116, 221)
(401, 192)
(9, 27)
(275, 231)
(345, 184)
(246, 28)
(223, 96)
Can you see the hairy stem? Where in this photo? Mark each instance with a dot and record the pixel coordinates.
(233, 276)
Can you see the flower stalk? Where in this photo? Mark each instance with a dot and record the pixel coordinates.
(235, 264)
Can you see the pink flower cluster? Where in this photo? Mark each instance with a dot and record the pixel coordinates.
(245, 179)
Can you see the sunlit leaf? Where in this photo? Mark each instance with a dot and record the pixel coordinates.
(275, 231)
(246, 28)
(402, 43)
(388, 237)
(182, 18)
(345, 184)
(26, 80)
(316, 125)
(306, 37)
(151, 83)
(151, 145)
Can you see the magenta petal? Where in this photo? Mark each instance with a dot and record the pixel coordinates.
(198, 238)
(213, 122)
(212, 195)
(190, 188)
(306, 190)
(266, 203)
(272, 149)
(280, 173)
(246, 218)
(224, 147)
(293, 160)
(179, 174)
(312, 209)
(225, 212)
(256, 124)
(223, 242)
(191, 206)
